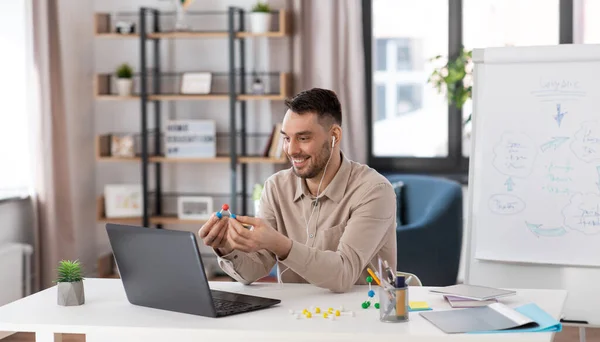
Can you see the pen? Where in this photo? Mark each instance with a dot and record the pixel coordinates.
(374, 276)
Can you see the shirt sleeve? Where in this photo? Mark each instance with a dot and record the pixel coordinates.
(247, 268)
(365, 232)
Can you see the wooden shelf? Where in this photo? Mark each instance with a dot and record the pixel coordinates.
(165, 219)
(102, 147)
(102, 29)
(104, 91)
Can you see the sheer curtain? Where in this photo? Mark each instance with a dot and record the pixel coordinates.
(328, 52)
(62, 121)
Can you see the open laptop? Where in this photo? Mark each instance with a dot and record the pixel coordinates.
(162, 269)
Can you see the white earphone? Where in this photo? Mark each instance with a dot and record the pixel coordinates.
(279, 272)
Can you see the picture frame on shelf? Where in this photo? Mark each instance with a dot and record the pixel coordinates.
(196, 83)
(194, 207)
(122, 145)
(123, 200)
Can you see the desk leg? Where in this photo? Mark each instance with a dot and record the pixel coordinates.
(47, 337)
(581, 334)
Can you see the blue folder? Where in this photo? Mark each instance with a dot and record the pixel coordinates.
(545, 322)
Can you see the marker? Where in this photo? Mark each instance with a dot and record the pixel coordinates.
(374, 276)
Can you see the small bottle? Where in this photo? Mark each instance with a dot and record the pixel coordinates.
(258, 87)
(401, 299)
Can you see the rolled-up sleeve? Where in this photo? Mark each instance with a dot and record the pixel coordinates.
(367, 227)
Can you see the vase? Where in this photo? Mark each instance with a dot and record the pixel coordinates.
(124, 86)
(70, 294)
(260, 22)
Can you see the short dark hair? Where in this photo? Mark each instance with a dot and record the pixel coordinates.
(323, 102)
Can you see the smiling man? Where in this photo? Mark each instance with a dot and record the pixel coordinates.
(324, 220)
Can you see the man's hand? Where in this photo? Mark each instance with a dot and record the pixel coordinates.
(260, 236)
(214, 234)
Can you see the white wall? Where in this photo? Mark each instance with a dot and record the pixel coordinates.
(183, 55)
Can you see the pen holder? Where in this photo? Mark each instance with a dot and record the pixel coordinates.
(393, 304)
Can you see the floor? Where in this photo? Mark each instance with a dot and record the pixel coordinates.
(567, 335)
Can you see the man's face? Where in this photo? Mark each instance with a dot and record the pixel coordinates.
(306, 143)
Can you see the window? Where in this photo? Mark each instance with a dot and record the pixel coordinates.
(492, 23)
(415, 123)
(14, 137)
(585, 19)
(411, 127)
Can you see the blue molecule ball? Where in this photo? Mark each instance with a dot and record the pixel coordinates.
(371, 293)
(219, 215)
(232, 215)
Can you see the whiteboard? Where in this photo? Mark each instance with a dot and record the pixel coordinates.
(534, 174)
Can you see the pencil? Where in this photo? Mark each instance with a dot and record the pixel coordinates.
(374, 276)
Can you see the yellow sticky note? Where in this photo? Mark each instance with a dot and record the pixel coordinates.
(418, 305)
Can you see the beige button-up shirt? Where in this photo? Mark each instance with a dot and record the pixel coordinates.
(334, 239)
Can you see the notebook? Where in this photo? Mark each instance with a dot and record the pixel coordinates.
(460, 302)
(474, 292)
(494, 318)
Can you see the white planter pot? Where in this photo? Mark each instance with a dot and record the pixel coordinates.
(260, 22)
(70, 294)
(124, 86)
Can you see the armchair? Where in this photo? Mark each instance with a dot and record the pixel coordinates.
(429, 236)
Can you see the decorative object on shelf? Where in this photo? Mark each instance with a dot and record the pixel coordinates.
(123, 200)
(260, 18)
(196, 83)
(191, 139)
(258, 88)
(70, 283)
(181, 7)
(122, 145)
(194, 207)
(124, 79)
(256, 194)
(125, 27)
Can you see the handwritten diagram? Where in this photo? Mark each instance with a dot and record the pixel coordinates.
(559, 115)
(583, 213)
(514, 155)
(540, 231)
(586, 142)
(554, 143)
(505, 204)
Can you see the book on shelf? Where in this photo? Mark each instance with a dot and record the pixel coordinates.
(274, 146)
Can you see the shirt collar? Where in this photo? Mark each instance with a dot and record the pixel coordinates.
(335, 190)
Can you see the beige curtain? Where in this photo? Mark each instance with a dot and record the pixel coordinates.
(55, 238)
(328, 53)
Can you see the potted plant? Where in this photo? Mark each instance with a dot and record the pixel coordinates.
(124, 79)
(455, 78)
(256, 194)
(70, 283)
(260, 18)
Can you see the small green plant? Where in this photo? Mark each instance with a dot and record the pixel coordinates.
(454, 78)
(261, 7)
(258, 189)
(69, 272)
(124, 71)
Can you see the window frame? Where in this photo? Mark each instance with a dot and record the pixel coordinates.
(455, 166)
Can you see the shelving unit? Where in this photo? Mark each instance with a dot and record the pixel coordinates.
(150, 91)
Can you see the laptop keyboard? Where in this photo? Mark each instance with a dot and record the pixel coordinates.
(224, 305)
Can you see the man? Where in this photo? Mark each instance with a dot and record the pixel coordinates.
(325, 220)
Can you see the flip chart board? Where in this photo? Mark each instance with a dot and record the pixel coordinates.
(534, 178)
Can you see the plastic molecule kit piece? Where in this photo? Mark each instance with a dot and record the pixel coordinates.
(225, 208)
(330, 314)
(367, 303)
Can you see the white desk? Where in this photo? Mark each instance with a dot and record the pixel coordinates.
(108, 316)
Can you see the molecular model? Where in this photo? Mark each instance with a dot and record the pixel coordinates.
(330, 314)
(366, 304)
(225, 208)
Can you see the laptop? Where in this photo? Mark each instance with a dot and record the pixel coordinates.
(162, 269)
